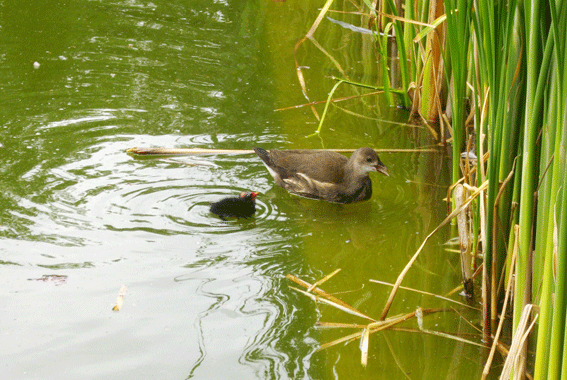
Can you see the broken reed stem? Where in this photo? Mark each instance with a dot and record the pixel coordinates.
(459, 195)
(120, 298)
(419, 316)
(367, 329)
(364, 343)
(517, 355)
(415, 256)
(161, 151)
(339, 305)
(372, 328)
(462, 180)
(332, 299)
(323, 280)
(425, 293)
(359, 115)
(339, 325)
(309, 36)
(336, 100)
(377, 326)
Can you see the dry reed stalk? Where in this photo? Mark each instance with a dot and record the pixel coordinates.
(309, 36)
(378, 326)
(516, 359)
(406, 20)
(364, 342)
(388, 15)
(416, 99)
(505, 305)
(462, 181)
(338, 305)
(330, 299)
(467, 321)
(464, 235)
(372, 328)
(434, 67)
(372, 18)
(323, 280)
(365, 330)
(419, 316)
(455, 212)
(425, 293)
(415, 126)
(162, 151)
(339, 325)
(336, 100)
(120, 298)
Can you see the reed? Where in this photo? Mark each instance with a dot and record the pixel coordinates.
(496, 83)
(503, 95)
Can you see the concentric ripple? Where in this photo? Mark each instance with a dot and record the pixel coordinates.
(108, 190)
(198, 214)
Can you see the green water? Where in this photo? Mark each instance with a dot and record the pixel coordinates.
(205, 299)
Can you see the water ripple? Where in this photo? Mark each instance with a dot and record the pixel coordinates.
(105, 189)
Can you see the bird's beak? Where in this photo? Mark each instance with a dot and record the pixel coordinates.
(382, 169)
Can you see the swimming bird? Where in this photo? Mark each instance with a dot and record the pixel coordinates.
(324, 175)
(242, 207)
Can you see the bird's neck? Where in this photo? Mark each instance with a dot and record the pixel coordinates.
(355, 183)
(351, 175)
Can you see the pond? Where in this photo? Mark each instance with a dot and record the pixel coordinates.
(83, 81)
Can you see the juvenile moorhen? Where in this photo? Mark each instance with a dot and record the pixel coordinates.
(242, 207)
(324, 175)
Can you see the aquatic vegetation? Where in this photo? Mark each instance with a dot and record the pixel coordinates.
(494, 75)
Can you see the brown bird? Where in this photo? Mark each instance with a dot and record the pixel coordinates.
(324, 175)
(242, 207)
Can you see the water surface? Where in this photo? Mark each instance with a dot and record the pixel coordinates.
(205, 299)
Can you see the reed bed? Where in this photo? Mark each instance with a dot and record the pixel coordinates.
(493, 77)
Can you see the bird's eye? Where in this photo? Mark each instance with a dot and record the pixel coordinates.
(369, 159)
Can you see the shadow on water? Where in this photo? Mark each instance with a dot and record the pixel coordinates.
(206, 298)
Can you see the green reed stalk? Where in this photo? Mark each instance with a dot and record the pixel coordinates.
(509, 90)
(458, 33)
(409, 34)
(520, 72)
(368, 86)
(484, 74)
(562, 287)
(327, 104)
(383, 50)
(486, 79)
(499, 46)
(529, 154)
(551, 356)
(402, 53)
(550, 137)
(557, 360)
(545, 242)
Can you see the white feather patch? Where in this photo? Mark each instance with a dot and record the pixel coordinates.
(273, 173)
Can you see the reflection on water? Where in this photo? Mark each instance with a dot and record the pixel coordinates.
(206, 298)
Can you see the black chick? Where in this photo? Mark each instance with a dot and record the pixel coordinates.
(242, 207)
